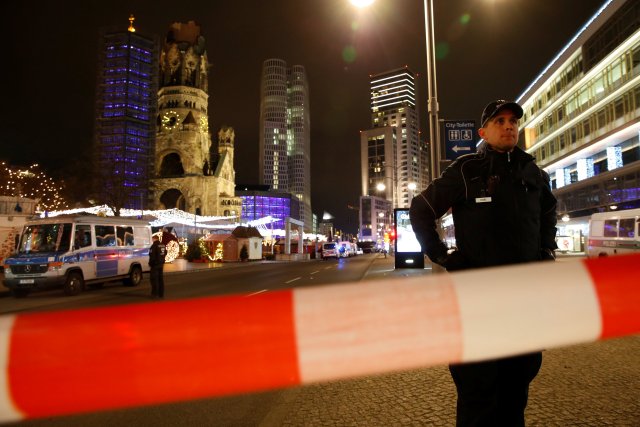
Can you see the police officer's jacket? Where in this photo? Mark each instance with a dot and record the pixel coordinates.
(503, 210)
(157, 253)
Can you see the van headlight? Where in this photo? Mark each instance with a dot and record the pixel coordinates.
(55, 266)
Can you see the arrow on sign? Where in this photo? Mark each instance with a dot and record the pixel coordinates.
(463, 148)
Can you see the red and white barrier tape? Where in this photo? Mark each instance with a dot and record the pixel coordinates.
(68, 362)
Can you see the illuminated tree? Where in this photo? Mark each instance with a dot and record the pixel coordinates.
(31, 183)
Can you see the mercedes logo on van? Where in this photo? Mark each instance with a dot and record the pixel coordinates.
(27, 268)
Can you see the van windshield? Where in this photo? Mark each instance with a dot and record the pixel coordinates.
(329, 246)
(39, 238)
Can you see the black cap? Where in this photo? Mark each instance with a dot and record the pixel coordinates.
(495, 107)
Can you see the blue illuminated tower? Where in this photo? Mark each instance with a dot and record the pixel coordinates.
(125, 126)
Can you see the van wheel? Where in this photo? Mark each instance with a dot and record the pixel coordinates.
(74, 284)
(135, 276)
(20, 293)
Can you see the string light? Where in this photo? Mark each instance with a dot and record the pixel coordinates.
(31, 183)
(176, 216)
(172, 247)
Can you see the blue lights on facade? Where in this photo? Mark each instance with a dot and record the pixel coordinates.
(126, 104)
(259, 204)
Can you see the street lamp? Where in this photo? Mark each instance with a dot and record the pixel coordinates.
(361, 3)
(411, 187)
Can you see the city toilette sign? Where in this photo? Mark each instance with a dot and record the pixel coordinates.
(459, 138)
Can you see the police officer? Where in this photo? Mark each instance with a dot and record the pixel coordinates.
(503, 213)
(157, 253)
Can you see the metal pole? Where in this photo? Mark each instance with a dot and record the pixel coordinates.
(434, 130)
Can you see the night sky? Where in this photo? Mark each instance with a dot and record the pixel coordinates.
(488, 49)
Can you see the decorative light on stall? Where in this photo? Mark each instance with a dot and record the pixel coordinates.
(172, 246)
(218, 256)
(204, 250)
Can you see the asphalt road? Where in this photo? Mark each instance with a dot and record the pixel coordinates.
(587, 385)
(234, 278)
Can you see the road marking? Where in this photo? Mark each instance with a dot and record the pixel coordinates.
(256, 293)
(293, 280)
(326, 268)
(314, 272)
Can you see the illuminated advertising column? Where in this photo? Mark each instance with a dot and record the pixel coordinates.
(408, 253)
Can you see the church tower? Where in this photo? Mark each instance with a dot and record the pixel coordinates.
(185, 174)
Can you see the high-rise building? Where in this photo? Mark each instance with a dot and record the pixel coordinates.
(285, 143)
(393, 104)
(582, 119)
(125, 112)
(189, 173)
(392, 156)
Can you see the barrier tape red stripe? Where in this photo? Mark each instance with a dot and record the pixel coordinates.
(94, 359)
(617, 284)
(141, 354)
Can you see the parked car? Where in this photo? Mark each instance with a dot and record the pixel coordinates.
(330, 250)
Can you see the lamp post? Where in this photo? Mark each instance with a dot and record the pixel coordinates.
(434, 128)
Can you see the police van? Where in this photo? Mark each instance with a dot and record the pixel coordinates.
(612, 233)
(71, 251)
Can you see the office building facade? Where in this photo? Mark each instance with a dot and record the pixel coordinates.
(394, 164)
(285, 143)
(126, 104)
(582, 119)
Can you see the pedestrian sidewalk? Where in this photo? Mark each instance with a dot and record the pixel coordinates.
(384, 267)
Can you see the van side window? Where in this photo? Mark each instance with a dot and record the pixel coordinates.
(105, 236)
(82, 238)
(611, 228)
(125, 236)
(626, 227)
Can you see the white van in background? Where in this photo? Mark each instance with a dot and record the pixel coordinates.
(348, 249)
(330, 250)
(71, 251)
(612, 233)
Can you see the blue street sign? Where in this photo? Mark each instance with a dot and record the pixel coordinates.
(459, 138)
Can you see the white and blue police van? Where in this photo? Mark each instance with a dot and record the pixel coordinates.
(613, 233)
(72, 252)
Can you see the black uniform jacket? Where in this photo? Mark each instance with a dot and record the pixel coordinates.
(503, 210)
(157, 253)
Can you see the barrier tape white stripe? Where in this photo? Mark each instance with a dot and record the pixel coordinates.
(233, 344)
(526, 309)
(381, 326)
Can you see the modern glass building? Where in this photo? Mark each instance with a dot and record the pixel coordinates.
(582, 119)
(285, 143)
(125, 116)
(258, 202)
